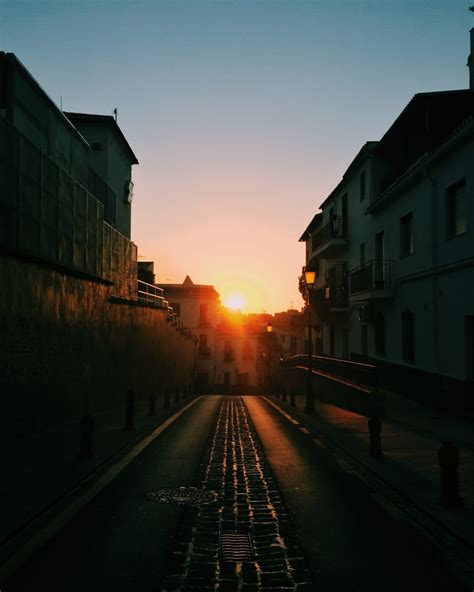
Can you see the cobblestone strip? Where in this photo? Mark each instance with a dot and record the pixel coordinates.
(248, 502)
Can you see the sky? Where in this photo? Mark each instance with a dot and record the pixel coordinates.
(243, 114)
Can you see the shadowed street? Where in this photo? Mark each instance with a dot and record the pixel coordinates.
(312, 525)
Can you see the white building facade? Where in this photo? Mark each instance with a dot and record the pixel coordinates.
(393, 249)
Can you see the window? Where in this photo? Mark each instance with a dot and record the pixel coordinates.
(203, 349)
(379, 335)
(408, 336)
(203, 320)
(406, 235)
(456, 209)
(362, 253)
(228, 351)
(362, 186)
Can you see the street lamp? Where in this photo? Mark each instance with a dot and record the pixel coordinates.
(310, 279)
(267, 356)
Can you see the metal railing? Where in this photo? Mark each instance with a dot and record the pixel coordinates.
(150, 294)
(337, 289)
(373, 275)
(204, 352)
(363, 374)
(336, 227)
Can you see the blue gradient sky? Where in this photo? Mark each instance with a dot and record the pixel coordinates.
(243, 114)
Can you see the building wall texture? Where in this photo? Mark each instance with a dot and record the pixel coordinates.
(66, 347)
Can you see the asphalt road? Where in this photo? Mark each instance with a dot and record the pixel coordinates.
(121, 541)
(350, 543)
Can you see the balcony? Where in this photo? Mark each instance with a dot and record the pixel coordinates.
(204, 353)
(150, 294)
(331, 299)
(331, 238)
(372, 281)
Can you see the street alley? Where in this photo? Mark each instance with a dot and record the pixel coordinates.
(280, 514)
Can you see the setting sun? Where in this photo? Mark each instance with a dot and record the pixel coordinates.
(235, 301)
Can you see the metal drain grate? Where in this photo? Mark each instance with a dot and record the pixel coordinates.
(235, 546)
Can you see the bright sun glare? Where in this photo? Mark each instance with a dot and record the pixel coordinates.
(235, 301)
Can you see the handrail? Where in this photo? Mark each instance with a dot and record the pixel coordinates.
(373, 275)
(358, 372)
(336, 227)
(150, 294)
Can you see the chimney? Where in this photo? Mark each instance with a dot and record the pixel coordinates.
(470, 62)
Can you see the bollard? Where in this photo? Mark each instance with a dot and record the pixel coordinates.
(176, 394)
(283, 395)
(375, 431)
(277, 393)
(151, 404)
(448, 458)
(87, 429)
(292, 399)
(166, 399)
(129, 410)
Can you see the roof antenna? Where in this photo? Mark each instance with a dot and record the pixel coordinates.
(61, 101)
(115, 114)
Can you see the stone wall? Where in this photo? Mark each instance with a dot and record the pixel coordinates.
(67, 346)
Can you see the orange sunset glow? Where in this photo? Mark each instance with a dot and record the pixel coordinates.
(235, 301)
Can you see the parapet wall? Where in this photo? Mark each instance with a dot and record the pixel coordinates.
(67, 346)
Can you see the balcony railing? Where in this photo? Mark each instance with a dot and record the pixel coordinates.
(204, 352)
(336, 228)
(337, 289)
(338, 295)
(373, 275)
(150, 294)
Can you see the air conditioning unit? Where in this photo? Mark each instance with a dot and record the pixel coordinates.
(366, 313)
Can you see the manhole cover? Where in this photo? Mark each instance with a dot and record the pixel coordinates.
(182, 496)
(235, 546)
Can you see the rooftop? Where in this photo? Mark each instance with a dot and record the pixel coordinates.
(109, 120)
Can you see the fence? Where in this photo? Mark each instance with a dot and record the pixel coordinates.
(151, 294)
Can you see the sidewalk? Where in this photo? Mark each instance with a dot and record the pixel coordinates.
(411, 436)
(37, 471)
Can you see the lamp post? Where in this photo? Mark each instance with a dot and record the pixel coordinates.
(269, 360)
(310, 278)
